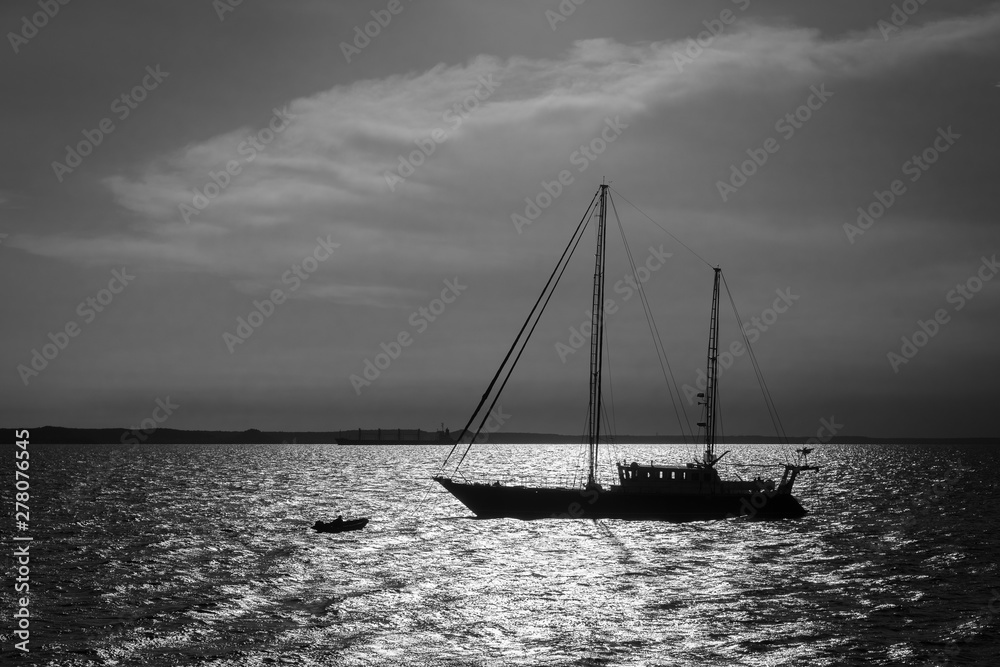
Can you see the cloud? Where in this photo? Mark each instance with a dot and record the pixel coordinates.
(326, 170)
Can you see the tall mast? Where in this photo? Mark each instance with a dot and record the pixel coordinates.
(712, 375)
(597, 343)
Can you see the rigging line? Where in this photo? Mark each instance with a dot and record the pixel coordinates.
(611, 388)
(524, 345)
(768, 399)
(612, 437)
(503, 456)
(657, 342)
(581, 453)
(780, 429)
(718, 412)
(611, 450)
(663, 228)
(563, 262)
(612, 422)
(756, 369)
(586, 217)
(661, 351)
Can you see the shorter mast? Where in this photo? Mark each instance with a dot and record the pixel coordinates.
(596, 344)
(712, 375)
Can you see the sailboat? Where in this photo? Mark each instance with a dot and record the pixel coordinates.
(694, 491)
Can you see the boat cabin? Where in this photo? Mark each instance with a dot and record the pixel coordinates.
(692, 478)
(635, 474)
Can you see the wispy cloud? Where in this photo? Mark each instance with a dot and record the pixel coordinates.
(326, 171)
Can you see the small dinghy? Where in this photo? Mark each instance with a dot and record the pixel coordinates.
(339, 525)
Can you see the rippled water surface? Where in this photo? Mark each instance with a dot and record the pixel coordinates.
(177, 555)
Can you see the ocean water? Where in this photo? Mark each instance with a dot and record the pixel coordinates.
(203, 555)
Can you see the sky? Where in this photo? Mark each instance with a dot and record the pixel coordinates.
(233, 210)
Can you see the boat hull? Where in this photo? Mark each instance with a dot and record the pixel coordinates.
(334, 527)
(491, 501)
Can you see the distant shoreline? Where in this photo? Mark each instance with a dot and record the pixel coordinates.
(57, 435)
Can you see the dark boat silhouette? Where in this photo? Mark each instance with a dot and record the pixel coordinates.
(339, 525)
(694, 491)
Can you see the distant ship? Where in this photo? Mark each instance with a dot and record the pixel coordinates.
(398, 437)
(694, 491)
